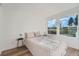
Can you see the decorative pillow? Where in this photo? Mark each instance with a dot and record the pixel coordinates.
(30, 35)
(37, 34)
(25, 35)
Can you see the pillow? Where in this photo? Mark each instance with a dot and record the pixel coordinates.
(30, 35)
(25, 35)
(37, 34)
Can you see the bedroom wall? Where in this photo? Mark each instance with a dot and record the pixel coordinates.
(19, 19)
(1, 29)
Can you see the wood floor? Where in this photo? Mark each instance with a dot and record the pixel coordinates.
(23, 51)
(72, 52)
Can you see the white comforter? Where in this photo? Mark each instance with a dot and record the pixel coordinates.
(46, 45)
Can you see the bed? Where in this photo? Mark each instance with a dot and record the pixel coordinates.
(50, 45)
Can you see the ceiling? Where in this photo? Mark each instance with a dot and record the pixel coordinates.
(45, 7)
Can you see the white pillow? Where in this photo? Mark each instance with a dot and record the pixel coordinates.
(37, 34)
(30, 35)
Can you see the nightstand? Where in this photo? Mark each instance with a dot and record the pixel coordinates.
(18, 40)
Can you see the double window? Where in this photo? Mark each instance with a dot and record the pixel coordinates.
(67, 25)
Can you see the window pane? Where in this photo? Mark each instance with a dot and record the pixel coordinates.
(72, 31)
(68, 26)
(52, 26)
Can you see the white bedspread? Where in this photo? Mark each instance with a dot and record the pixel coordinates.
(46, 45)
(49, 41)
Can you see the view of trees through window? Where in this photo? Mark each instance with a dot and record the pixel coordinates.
(52, 26)
(68, 26)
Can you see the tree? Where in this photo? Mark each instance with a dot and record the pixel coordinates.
(76, 20)
(70, 21)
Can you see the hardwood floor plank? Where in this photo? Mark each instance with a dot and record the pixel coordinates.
(23, 51)
(72, 52)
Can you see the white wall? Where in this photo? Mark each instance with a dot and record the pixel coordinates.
(1, 29)
(18, 21)
(26, 18)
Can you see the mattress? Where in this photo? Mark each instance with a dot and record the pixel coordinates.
(50, 45)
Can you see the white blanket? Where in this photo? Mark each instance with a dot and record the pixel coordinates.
(46, 45)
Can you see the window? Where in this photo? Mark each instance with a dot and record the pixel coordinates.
(68, 26)
(52, 26)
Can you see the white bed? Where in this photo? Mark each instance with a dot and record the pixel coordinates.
(50, 45)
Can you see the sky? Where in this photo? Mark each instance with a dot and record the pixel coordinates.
(52, 23)
(63, 21)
